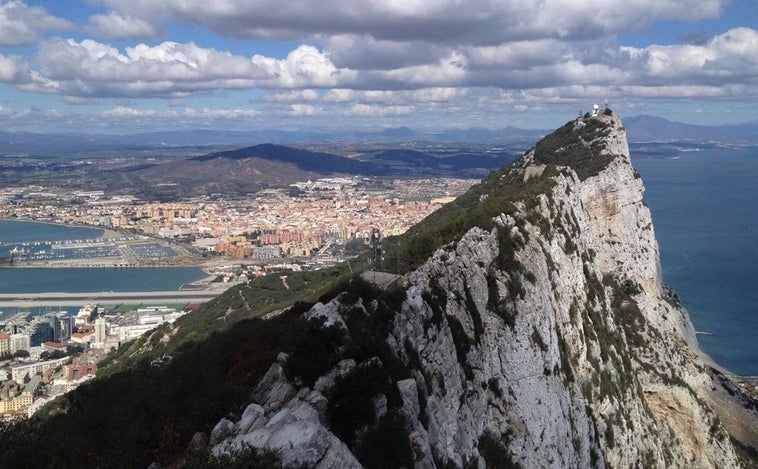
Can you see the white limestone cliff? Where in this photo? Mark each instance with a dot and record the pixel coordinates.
(547, 340)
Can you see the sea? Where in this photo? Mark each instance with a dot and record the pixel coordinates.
(704, 206)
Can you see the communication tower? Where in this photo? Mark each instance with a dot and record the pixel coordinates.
(376, 254)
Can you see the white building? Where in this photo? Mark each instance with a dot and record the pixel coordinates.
(126, 333)
(100, 330)
(20, 372)
(20, 342)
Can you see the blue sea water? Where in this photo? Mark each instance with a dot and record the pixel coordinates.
(704, 207)
(31, 280)
(16, 231)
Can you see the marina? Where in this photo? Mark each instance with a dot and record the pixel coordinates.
(112, 252)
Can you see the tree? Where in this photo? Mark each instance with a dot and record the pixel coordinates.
(21, 354)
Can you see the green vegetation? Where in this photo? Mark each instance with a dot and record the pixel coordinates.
(153, 395)
(504, 307)
(747, 455)
(259, 297)
(386, 444)
(246, 458)
(351, 402)
(494, 196)
(146, 412)
(577, 147)
(626, 311)
(315, 353)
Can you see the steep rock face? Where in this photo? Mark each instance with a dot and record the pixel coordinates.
(544, 340)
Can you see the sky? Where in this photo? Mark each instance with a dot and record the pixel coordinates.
(127, 66)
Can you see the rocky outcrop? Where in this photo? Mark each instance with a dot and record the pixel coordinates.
(544, 339)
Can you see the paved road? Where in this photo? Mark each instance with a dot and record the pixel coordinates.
(22, 300)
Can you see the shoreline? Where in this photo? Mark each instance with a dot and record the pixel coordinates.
(183, 257)
(738, 378)
(70, 225)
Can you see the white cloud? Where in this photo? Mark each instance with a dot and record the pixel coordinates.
(339, 95)
(367, 53)
(78, 101)
(118, 26)
(302, 110)
(13, 69)
(21, 24)
(305, 66)
(201, 115)
(291, 96)
(130, 112)
(173, 70)
(380, 58)
(209, 113)
(365, 110)
(449, 71)
(366, 25)
(731, 57)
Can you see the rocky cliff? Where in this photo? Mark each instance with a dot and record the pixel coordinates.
(540, 336)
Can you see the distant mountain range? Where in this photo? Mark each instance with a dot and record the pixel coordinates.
(203, 141)
(639, 129)
(249, 169)
(656, 129)
(305, 160)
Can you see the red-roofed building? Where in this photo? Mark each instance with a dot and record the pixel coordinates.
(53, 346)
(82, 337)
(78, 372)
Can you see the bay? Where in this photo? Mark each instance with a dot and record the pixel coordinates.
(704, 207)
(13, 232)
(77, 280)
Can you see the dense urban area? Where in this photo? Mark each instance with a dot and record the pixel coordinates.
(308, 218)
(307, 225)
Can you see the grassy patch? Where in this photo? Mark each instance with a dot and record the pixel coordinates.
(578, 148)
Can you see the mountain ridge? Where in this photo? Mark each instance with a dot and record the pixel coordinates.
(527, 326)
(641, 129)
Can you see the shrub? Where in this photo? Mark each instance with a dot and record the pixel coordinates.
(576, 148)
(387, 444)
(351, 402)
(246, 458)
(315, 353)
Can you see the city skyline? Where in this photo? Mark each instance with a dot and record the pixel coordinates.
(111, 66)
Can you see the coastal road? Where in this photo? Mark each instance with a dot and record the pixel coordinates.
(25, 300)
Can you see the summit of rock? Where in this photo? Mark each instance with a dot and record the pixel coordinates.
(531, 329)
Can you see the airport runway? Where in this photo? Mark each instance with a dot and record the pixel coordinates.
(23, 300)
